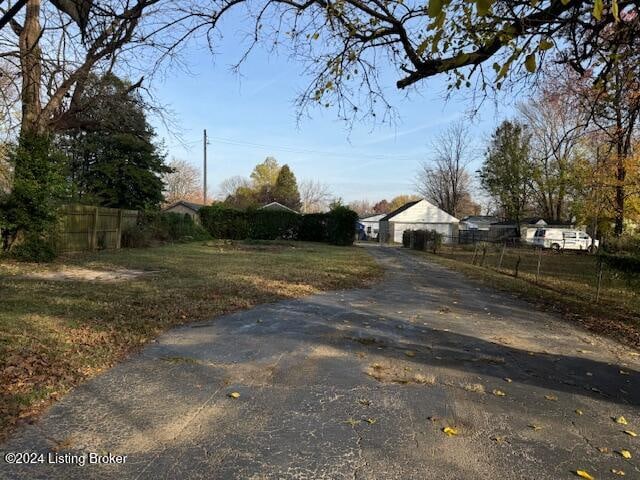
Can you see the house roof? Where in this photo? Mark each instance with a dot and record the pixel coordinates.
(372, 218)
(192, 206)
(532, 221)
(428, 213)
(277, 206)
(480, 218)
(404, 207)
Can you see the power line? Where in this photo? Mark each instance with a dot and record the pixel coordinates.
(289, 149)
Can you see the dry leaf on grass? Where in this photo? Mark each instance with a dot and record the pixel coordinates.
(631, 433)
(450, 431)
(578, 411)
(234, 395)
(499, 393)
(615, 471)
(535, 427)
(552, 398)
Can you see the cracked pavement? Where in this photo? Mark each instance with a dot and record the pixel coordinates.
(358, 384)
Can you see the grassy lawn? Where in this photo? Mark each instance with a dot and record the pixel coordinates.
(567, 283)
(60, 324)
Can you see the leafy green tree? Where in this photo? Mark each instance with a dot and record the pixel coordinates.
(506, 172)
(265, 174)
(27, 213)
(113, 160)
(286, 189)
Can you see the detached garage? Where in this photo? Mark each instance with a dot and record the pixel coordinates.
(418, 215)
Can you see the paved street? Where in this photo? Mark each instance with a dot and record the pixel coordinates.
(360, 385)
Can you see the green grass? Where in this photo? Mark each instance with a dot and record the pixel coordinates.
(567, 283)
(56, 332)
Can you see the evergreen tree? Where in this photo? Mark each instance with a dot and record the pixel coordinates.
(286, 189)
(113, 160)
(507, 169)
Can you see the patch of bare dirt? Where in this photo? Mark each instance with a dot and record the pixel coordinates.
(80, 274)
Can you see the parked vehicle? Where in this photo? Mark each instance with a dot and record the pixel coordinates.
(564, 239)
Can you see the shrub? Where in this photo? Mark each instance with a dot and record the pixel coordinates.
(341, 226)
(34, 249)
(313, 227)
(406, 238)
(273, 225)
(423, 240)
(225, 222)
(629, 244)
(625, 265)
(29, 210)
(159, 227)
(337, 227)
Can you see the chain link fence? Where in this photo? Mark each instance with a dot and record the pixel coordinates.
(583, 276)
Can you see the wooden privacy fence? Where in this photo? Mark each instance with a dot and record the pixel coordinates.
(85, 228)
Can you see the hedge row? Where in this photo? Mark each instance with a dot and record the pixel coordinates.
(160, 227)
(337, 227)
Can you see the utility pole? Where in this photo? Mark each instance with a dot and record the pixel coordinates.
(205, 168)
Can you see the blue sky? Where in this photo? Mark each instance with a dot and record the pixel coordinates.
(252, 115)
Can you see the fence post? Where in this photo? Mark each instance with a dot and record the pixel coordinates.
(475, 253)
(484, 254)
(119, 229)
(539, 260)
(517, 266)
(599, 279)
(504, 247)
(94, 230)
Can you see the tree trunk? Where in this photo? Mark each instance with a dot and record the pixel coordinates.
(31, 69)
(621, 174)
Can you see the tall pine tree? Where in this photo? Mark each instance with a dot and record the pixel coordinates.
(286, 189)
(113, 160)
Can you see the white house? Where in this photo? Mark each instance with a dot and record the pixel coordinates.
(372, 225)
(418, 215)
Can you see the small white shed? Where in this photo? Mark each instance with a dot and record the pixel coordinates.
(372, 225)
(418, 215)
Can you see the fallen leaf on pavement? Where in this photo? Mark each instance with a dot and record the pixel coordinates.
(371, 421)
(584, 474)
(617, 472)
(631, 433)
(499, 393)
(578, 411)
(603, 449)
(450, 431)
(508, 380)
(625, 453)
(234, 395)
(553, 398)
(621, 420)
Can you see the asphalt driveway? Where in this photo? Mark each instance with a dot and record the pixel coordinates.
(360, 385)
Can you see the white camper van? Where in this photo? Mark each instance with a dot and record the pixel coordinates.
(564, 239)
